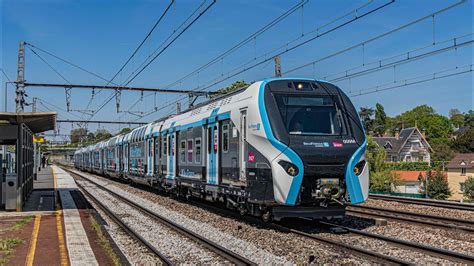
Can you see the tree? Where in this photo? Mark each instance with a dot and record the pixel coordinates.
(453, 112)
(365, 115)
(424, 117)
(438, 187)
(457, 120)
(234, 86)
(102, 134)
(469, 118)
(124, 130)
(77, 134)
(380, 122)
(464, 143)
(469, 189)
(442, 152)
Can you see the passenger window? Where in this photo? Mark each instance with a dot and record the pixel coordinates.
(198, 150)
(225, 138)
(190, 151)
(182, 151)
(165, 146)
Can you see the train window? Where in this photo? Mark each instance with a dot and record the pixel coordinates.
(182, 151)
(198, 150)
(225, 138)
(190, 151)
(165, 146)
(300, 114)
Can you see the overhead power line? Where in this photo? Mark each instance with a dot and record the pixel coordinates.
(69, 63)
(242, 43)
(171, 42)
(380, 36)
(458, 70)
(143, 41)
(101, 122)
(400, 59)
(357, 14)
(85, 86)
(161, 51)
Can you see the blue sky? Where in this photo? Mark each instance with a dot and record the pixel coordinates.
(100, 35)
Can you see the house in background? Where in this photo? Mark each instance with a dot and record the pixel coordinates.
(407, 146)
(411, 181)
(459, 169)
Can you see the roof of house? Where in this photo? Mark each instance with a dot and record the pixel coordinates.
(397, 143)
(410, 175)
(461, 130)
(462, 160)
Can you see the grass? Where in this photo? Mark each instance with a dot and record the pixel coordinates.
(104, 242)
(6, 248)
(18, 225)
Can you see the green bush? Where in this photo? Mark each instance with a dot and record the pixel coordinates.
(408, 166)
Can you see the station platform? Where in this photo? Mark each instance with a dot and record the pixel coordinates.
(52, 229)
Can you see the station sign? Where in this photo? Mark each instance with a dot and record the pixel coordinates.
(38, 139)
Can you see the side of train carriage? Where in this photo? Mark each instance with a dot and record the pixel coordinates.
(279, 148)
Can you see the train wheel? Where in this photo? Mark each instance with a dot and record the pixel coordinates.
(267, 216)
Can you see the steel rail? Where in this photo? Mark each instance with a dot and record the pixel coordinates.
(125, 227)
(386, 259)
(424, 219)
(427, 202)
(435, 251)
(214, 247)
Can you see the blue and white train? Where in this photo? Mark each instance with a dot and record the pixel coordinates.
(278, 148)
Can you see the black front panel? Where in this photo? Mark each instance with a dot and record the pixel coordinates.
(319, 123)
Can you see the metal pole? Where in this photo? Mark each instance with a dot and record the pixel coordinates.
(6, 96)
(20, 81)
(277, 66)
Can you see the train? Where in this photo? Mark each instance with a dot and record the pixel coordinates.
(278, 148)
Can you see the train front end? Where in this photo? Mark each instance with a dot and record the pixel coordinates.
(318, 161)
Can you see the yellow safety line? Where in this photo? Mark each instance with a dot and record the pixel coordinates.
(34, 240)
(62, 243)
(59, 227)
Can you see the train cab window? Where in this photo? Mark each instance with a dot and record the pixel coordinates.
(309, 115)
(198, 150)
(182, 151)
(225, 138)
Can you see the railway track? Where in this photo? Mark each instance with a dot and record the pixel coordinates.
(434, 251)
(427, 202)
(356, 250)
(411, 217)
(165, 260)
(210, 245)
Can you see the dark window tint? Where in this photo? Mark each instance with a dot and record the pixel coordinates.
(309, 115)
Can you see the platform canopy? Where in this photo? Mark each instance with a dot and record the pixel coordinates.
(37, 122)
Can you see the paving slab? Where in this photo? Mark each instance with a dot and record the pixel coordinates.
(78, 246)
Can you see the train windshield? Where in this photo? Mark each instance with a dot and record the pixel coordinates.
(309, 115)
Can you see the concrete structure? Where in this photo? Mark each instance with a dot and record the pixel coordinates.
(407, 146)
(18, 171)
(459, 169)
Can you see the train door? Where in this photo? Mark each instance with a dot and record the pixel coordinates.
(243, 145)
(164, 155)
(151, 152)
(157, 157)
(172, 161)
(212, 153)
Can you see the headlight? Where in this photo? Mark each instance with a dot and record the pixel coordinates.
(359, 167)
(290, 168)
